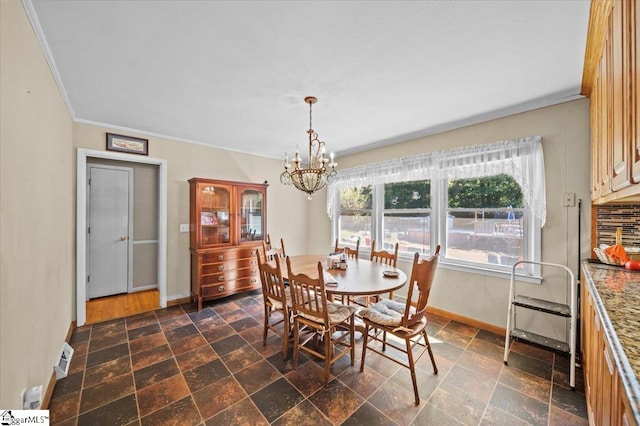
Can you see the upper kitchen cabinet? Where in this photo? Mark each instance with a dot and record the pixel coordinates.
(611, 80)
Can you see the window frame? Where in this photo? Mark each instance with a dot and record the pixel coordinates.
(531, 241)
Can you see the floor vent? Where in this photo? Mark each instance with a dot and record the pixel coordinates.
(61, 366)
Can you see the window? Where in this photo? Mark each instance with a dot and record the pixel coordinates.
(485, 220)
(354, 221)
(484, 205)
(406, 216)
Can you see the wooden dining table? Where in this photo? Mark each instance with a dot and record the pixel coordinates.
(361, 278)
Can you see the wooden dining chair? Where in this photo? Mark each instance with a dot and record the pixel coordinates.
(351, 253)
(403, 321)
(270, 251)
(276, 298)
(314, 316)
(385, 257)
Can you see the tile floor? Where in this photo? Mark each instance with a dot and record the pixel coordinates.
(176, 366)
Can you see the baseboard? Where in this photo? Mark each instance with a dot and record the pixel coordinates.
(466, 320)
(46, 400)
(179, 301)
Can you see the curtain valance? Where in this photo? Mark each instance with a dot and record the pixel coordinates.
(520, 158)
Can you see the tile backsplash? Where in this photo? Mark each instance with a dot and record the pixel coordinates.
(610, 217)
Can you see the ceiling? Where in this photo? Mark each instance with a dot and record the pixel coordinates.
(234, 74)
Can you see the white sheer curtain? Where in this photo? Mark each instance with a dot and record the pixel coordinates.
(520, 158)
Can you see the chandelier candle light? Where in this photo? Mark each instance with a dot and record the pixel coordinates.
(316, 175)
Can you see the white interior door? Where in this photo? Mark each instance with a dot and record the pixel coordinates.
(108, 229)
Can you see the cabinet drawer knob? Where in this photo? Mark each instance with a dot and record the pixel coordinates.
(221, 278)
(253, 262)
(221, 257)
(253, 272)
(221, 268)
(253, 281)
(221, 288)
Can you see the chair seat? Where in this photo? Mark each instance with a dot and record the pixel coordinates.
(337, 313)
(276, 304)
(385, 312)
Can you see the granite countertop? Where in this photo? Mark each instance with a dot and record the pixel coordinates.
(617, 299)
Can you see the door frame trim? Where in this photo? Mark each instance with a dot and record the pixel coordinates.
(81, 223)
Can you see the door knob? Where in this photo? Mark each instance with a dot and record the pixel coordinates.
(123, 238)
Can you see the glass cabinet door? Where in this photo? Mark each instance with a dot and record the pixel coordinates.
(215, 214)
(251, 215)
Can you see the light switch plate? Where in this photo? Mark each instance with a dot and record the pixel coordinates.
(569, 199)
(184, 227)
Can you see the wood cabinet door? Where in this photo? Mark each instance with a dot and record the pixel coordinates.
(634, 85)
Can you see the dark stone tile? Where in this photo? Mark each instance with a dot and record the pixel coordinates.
(183, 412)
(368, 415)
(108, 328)
(496, 417)
(205, 375)
(152, 356)
(71, 383)
(435, 319)
(248, 303)
(79, 336)
(520, 405)
(307, 378)
(532, 351)
(107, 341)
(445, 350)
(430, 415)
(244, 324)
(228, 345)
(478, 386)
(462, 328)
(106, 371)
(141, 320)
(78, 361)
(64, 407)
(187, 344)
(563, 379)
(365, 383)
(105, 355)
(208, 323)
(242, 413)
(234, 316)
(119, 412)
(490, 337)
(146, 330)
(222, 307)
(241, 358)
(486, 348)
(481, 364)
(227, 392)
(255, 334)
(257, 376)
(147, 342)
(170, 312)
(459, 405)
(304, 413)
(453, 337)
(106, 392)
(272, 408)
(181, 332)
(202, 314)
(427, 381)
(559, 417)
(526, 383)
(189, 308)
(158, 395)
(396, 402)
(196, 357)
(570, 401)
(336, 401)
(285, 365)
(273, 346)
(530, 365)
(155, 373)
(175, 322)
(381, 364)
(217, 333)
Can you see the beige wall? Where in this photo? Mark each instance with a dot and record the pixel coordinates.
(286, 208)
(565, 138)
(36, 211)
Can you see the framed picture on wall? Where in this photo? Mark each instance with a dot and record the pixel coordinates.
(127, 144)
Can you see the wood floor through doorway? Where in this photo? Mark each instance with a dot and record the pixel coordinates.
(122, 305)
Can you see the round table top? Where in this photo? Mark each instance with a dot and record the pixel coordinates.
(362, 277)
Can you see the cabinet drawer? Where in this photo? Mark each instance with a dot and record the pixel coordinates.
(231, 254)
(229, 265)
(217, 290)
(230, 275)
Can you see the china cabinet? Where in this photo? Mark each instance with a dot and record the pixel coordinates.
(227, 224)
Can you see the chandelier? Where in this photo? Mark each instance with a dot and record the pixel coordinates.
(315, 175)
